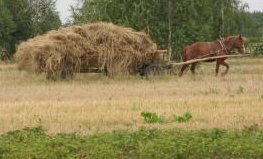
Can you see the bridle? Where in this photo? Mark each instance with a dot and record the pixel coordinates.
(223, 46)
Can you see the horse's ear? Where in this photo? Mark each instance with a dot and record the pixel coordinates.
(240, 37)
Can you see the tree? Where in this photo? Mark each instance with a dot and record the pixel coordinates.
(253, 24)
(7, 26)
(44, 16)
(30, 17)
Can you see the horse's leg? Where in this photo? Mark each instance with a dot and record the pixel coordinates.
(217, 66)
(193, 68)
(182, 69)
(227, 67)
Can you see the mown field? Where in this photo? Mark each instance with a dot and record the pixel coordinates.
(93, 104)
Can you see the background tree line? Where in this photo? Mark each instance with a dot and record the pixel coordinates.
(23, 19)
(174, 23)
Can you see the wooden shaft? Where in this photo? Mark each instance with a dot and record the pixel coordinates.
(205, 59)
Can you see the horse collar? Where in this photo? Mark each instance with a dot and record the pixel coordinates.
(222, 44)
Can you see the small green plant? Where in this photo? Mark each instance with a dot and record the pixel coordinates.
(240, 90)
(183, 118)
(251, 128)
(151, 117)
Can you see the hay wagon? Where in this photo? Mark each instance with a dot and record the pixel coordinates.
(95, 47)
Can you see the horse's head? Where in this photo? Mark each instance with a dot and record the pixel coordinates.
(236, 42)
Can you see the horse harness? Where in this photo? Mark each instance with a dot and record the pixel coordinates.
(223, 47)
(211, 52)
(221, 42)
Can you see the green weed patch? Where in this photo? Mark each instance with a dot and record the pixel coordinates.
(145, 143)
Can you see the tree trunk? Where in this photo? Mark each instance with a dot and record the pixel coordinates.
(170, 31)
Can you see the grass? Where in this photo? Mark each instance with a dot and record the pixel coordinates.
(183, 118)
(92, 103)
(144, 143)
(151, 117)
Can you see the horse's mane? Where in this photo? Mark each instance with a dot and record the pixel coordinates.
(232, 37)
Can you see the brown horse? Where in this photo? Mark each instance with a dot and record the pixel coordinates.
(209, 49)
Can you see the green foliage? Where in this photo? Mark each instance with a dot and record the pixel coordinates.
(7, 26)
(255, 45)
(253, 25)
(24, 19)
(259, 50)
(183, 118)
(151, 117)
(145, 143)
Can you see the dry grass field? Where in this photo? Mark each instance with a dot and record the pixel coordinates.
(93, 103)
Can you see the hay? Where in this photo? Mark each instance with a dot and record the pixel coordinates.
(99, 45)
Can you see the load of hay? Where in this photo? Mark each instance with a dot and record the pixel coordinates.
(63, 52)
